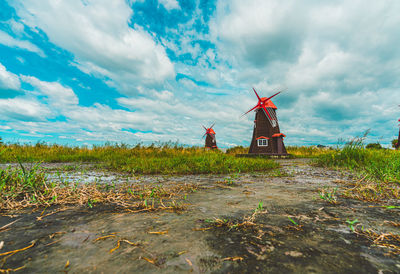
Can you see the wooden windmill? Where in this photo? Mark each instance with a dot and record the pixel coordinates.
(211, 142)
(267, 138)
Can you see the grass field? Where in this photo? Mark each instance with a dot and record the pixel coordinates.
(165, 159)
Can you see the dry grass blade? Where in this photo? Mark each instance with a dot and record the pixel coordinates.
(115, 248)
(158, 232)
(201, 228)
(104, 237)
(149, 260)
(395, 224)
(236, 258)
(119, 244)
(11, 269)
(388, 240)
(8, 225)
(17, 250)
(48, 214)
(56, 233)
(56, 241)
(189, 262)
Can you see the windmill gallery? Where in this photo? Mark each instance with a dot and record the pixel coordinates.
(267, 138)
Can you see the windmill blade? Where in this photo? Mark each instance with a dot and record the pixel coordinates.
(281, 89)
(267, 114)
(272, 96)
(274, 122)
(272, 113)
(204, 127)
(212, 125)
(249, 110)
(259, 99)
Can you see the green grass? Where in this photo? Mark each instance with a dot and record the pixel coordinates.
(17, 182)
(379, 164)
(379, 170)
(165, 159)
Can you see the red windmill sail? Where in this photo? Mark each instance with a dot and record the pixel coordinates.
(267, 106)
(211, 141)
(267, 138)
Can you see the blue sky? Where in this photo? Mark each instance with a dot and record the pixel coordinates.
(84, 72)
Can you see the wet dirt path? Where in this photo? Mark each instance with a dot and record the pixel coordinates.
(318, 240)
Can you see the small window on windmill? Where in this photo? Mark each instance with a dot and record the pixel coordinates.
(262, 142)
(273, 123)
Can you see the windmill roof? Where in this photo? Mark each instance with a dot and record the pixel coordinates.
(262, 137)
(211, 131)
(269, 104)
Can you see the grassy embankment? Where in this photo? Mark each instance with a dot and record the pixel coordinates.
(165, 159)
(379, 170)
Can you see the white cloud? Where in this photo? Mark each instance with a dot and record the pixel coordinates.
(60, 97)
(100, 37)
(169, 4)
(8, 80)
(10, 41)
(23, 109)
(339, 61)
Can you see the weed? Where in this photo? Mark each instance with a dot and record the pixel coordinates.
(260, 206)
(293, 222)
(351, 224)
(329, 196)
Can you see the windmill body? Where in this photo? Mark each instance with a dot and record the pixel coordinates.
(267, 138)
(211, 141)
(398, 140)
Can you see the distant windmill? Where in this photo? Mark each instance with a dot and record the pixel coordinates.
(267, 138)
(211, 142)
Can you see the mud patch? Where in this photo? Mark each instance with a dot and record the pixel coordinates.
(320, 241)
(316, 238)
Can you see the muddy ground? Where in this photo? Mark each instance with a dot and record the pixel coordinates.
(293, 230)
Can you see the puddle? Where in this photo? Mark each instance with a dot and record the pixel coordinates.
(172, 242)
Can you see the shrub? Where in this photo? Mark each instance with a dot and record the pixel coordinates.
(374, 146)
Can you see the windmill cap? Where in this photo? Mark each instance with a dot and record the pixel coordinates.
(269, 104)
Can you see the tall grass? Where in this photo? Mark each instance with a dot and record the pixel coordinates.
(381, 164)
(378, 168)
(164, 159)
(307, 151)
(22, 182)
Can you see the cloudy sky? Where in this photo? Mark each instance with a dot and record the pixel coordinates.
(89, 71)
